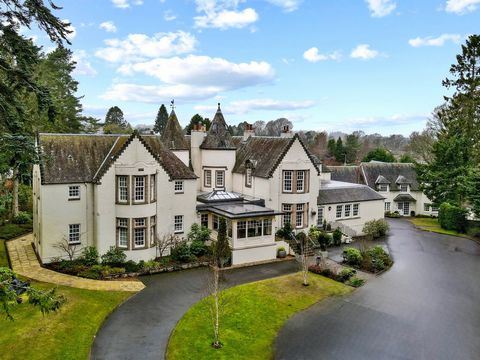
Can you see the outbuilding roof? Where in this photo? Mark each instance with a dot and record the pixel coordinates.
(337, 192)
(351, 174)
(394, 173)
(77, 158)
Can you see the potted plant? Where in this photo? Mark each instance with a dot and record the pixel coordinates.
(281, 253)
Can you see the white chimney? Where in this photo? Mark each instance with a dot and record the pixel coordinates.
(286, 133)
(248, 131)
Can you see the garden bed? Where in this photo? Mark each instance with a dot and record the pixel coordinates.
(373, 260)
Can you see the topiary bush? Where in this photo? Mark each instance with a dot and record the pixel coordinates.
(451, 217)
(114, 257)
(352, 256)
(337, 237)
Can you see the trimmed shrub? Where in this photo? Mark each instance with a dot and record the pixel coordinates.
(394, 214)
(198, 248)
(150, 265)
(181, 252)
(337, 237)
(90, 256)
(356, 282)
(346, 274)
(352, 256)
(114, 257)
(198, 233)
(324, 240)
(376, 259)
(131, 266)
(451, 217)
(285, 232)
(376, 228)
(23, 217)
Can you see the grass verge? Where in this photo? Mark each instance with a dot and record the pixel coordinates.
(431, 224)
(10, 231)
(253, 315)
(67, 334)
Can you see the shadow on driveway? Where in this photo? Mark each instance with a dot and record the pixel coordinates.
(140, 328)
(427, 306)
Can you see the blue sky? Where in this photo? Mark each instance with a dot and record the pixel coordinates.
(335, 65)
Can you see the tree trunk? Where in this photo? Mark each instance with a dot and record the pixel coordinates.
(15, 209)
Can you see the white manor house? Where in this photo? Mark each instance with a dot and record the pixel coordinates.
(128, 190)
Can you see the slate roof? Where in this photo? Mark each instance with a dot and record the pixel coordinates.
(337, 192)
(77, 158)
(218, 137)
(404, 197)
(350, 174)
(391, 172)
(381, 180)
(267, 153)
(172, 135)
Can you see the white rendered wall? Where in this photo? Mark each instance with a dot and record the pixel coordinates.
(250, 255)
(218, 160)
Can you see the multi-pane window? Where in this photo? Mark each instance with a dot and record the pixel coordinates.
(426, 207)
(139, 232)
(287, 180)
(139, 188)
(320, 216)
(383, 187)
(387, 206)
(287, 217)
(267, 227)
(248, 177)
(178, 224)
(122, 185)
(254, 228)
(74, 234)
(204, 220)
(434, 208)
(207, 178)
(153, 187)
(153, 228)
(338, 213)
(356, 209)
(122, 232)
(299, 215)
(178, 186)
(347, 210)
(300, 181)
(219, 178)
(216, 222)
(241, 230)
(404, 188)
(74, 192)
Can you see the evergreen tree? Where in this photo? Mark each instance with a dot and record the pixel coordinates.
(339, 150)
(352, 146)
(407, 158)
(331, 147)
(161, 120)
(379, 154)
(222, 251)
(115, 123)
(197, 120)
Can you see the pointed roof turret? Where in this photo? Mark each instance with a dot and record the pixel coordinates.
(172, 136)
(218, 137)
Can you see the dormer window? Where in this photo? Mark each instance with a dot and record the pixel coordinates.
(248, 177)
(404, 188)
(383, 187)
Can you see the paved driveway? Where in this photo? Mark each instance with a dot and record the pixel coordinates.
(140, 328)
(426, 307)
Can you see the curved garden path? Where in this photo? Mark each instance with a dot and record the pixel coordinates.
(425, 307)
(24, 262)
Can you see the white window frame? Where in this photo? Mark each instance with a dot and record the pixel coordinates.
(139, 227)
(153, 229)
(299, 216)
(219, 178)
(287, 181)
(139, 190)
(74, 236)
(426, 207)
(122, 229)
(387, 205)
(178, 186)
(122, 191)
(404, 188)
(267, 227)
(300, 179)
(288, 209)
(74, 192)
(207, 178)
(153, 187)
(320, 210)
(178, 224)
(338, 211)
(347, 210)
(248, 177)
(382, 187)
(242, 225)
(356, 209)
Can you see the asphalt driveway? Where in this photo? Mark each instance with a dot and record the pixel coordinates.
(427, 306)
(140, 328)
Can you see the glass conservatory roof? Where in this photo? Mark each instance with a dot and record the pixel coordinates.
(219, 196)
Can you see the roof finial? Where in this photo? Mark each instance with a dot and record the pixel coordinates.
(172, 104)
(219, 107)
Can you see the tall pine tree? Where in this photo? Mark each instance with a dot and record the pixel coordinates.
(161, 120)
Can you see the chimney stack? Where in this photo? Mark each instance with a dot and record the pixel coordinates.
(286, 133)
(248, 131)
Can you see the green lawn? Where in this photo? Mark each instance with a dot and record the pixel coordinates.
(254, 313)
(66, 334)
(431, 224)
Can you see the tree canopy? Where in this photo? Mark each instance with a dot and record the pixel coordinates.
(379, 154)
(161, 120)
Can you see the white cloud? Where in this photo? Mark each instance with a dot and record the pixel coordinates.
(189, 78)
(287, 5)
(313, 55)
(431, 41)
(364, 52)
(123, 4)
(461, 6)
(246, 106)
(83, 66)
(108, 26)
(137, 47)
(223, 14)
(380, 8)
(169, 15)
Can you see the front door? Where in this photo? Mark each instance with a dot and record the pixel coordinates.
(406, 208)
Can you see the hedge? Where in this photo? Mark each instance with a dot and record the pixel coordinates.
(451, 217)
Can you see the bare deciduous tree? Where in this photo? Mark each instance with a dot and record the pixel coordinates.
(164, 242)
(304, 242)
(71, 250)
